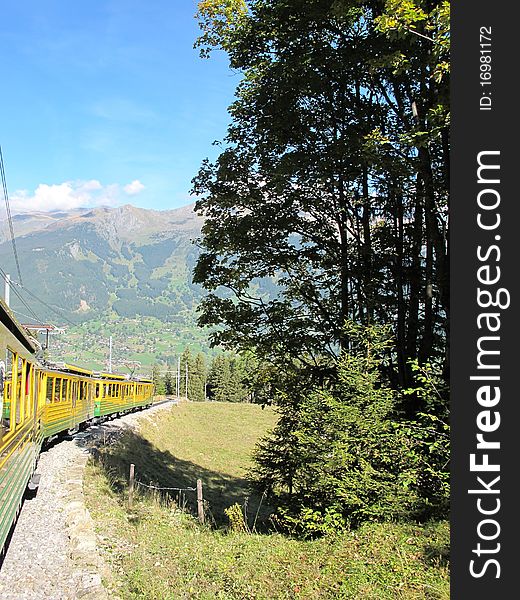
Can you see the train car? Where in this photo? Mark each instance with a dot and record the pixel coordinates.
(118, 394)
(39, 401)
(22, 400)
(69, 399)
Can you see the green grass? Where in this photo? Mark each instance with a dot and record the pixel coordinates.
(159, 552)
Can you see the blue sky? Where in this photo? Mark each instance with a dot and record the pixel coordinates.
(106, 102)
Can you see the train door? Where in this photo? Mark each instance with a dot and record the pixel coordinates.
(90, 398)
(20, 390)
(40, 402)
(30, 392)
(74, 402)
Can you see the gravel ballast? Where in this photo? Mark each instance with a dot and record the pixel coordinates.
(52, 554)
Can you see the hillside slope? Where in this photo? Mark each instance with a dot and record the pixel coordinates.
(124, 270)
(129, 260)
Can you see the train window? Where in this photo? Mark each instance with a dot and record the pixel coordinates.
(50, 390)
(57, 390)
(8, 396)
(42, 388)
(73, 392)
(29, 378)
(20, 389)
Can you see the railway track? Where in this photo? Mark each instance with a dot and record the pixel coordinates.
(52, 552)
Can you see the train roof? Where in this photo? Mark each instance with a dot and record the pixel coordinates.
(62, 366)
(102, 375)
(8, 320)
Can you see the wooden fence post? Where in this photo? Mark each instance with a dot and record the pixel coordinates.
(131, 486)
(200, 501)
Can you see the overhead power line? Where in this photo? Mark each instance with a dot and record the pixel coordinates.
(33, 295)
(9, 218)
(19, 296)
(21, 314)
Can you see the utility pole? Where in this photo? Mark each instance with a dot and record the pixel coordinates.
(179, 378)
(110, 355)
(176, 385)
(7, 292)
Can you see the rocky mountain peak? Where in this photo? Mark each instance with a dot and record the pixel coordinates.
(115, 224)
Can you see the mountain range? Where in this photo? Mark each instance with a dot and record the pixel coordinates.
(108, 269)
(127, 259)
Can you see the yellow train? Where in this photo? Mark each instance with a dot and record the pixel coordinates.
(39, 401)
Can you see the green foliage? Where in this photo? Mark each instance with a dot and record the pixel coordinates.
(195, 368)
(312, 523)
(240, 378)
(197, 381)
(225, 380)
(169, 387)
(157, 380)
(236, 518)
(218, 19)
(340, 456)
(429, 433)
(332, 181)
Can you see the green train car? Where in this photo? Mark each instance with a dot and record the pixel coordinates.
(39, 401)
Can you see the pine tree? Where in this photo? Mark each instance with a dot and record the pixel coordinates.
(168, 383)
(157, 379)
(197, 379)
(186, 365)
(226, 379)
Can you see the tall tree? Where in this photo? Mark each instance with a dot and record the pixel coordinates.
(157, 379)
(186, 366)
(228, 379)
(197, 379)
(333, 181)
(168, 383)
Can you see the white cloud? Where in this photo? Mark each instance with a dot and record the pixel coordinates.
(93, 184)
(69, 195)
(134, 188)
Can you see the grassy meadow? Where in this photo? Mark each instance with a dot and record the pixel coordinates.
(157, 551)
